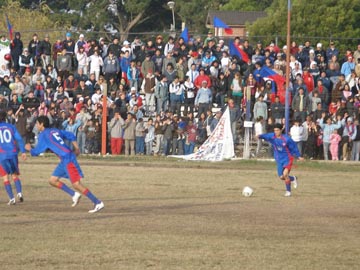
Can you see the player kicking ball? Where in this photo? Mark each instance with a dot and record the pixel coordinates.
(10, 142)
(285, 149)
(53, 139)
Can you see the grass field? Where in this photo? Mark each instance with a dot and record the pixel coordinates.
(169, 214)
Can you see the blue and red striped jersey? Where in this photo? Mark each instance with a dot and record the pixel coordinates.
(10, 141)
(53, 139)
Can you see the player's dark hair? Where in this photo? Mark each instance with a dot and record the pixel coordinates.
(277, 125)
(44, 120)
(2, 116)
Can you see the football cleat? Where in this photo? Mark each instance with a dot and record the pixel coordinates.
(20, 197)
(76, 199)
(97, 207)
(12, 201)
(295, 182)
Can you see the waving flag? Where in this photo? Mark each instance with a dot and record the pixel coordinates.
(10, 28)
(268, 74)
(185, 35)
(237, 51)
(220, 24)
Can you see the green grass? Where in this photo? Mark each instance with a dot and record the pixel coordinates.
(164, 213)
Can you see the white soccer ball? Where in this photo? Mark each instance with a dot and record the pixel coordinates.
(247, 191)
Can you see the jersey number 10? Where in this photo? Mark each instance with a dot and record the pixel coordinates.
(5, 136)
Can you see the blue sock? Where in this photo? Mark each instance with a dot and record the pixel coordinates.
(8, 189)
(91, 196)
(18, 185)
(288, 185)
(65, 188)
(292, 178)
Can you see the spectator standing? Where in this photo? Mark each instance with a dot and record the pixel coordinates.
(161, 94)
(159, 135)
(16, 50)
(95, 63)
(328, 127)
(82, 60)
(148, 86)
(111, 66)
(335, 139)
(116, 133)
(129, 134)
(32, 47)
(44, 51)
(140, 137)
(260, 108)
(149, 137)
(203, 98)
(348, 136)
(63, 64)
(301, 105)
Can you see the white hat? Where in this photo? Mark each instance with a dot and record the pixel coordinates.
(319, 45)
(311, 51)
(126, 42)
(133, 88)
(81, 36)
(81, 99)
(285, 47)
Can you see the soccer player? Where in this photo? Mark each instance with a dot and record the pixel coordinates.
(10, 142)
(53, 139)
(285, 150)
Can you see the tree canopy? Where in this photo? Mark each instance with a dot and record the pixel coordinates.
(317, 21)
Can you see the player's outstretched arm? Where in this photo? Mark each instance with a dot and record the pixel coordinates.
(76, 148)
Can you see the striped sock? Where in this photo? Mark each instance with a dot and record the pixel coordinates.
(91, 196)
(8, 189)
(18, 187)
(292, 178)
(65, 188)
(288, 185)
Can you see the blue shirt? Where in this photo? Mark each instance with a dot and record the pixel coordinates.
(204, 95)
(54, 140)
(284, 147)
(10, 140)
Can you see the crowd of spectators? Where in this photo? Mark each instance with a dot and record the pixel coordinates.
(160, 93)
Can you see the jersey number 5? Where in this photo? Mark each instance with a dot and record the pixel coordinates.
(58, 138)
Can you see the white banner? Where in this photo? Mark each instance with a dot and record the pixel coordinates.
(219, 145)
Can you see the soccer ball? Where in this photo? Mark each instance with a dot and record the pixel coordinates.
(247, 191)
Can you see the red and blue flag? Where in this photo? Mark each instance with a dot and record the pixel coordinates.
(10, 28)
(237, 51)
(220, 24)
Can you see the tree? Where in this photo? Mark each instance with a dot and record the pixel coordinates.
(320, 21)
(109, 17)
(247, 5)
(27, 21)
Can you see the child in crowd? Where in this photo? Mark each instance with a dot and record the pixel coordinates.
(150, 136)
(335, 139)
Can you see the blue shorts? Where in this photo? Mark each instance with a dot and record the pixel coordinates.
(9, 166)
(284, 164)
(69, 168)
